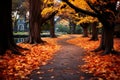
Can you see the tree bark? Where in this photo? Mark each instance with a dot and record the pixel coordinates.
(106, 41)
(94, 31)
(52, 28)
(6, 31)
(35, 22)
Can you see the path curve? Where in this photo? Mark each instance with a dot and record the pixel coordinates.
(64, 65)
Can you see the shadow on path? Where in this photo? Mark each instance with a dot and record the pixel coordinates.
(64, 65)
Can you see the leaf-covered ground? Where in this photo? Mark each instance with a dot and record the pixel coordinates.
(105, 67)
(16, 67)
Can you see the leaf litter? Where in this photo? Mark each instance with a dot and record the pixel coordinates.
(16, 67)
(105, 67)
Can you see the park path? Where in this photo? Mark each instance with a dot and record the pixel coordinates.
(64, 65)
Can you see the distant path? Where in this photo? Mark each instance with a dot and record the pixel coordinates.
(64, 65)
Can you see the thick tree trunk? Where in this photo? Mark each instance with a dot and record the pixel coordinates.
(107, 42)
(94, 32)
(6, 31)
(35, 22)
(108, 39)
(52, 28)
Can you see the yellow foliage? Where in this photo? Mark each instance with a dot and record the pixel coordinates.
(81, 4)
(87, 19)
(47, 11)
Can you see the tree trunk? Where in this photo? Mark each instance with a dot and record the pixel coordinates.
(35, 22)
(85, 32)
(85, 29)
(94, 32)
(106, 40)
(72, 27)
(6, 31)
(52, 28)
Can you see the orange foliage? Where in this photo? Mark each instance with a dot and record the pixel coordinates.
(16, 67)
(84, 43)
(103, 67)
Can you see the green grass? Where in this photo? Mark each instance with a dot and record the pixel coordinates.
(20, 33)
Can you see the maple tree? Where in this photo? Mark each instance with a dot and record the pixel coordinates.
(105, 11)
(86, 22)
(38, 16)
(66, 13)
(79, 18)
(46, 11)
(50, 7)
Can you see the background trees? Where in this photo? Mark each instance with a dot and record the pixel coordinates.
(105, 11)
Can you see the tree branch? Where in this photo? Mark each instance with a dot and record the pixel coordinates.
(93, 8)
(79, 9)
(49, 17)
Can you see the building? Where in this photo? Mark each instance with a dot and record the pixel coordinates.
(21, 25)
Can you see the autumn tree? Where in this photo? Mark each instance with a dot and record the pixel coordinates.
(86, 22)
(35, 7)
(67, 14)
(38, 15)
(105, 11)
(6, 32)
(51, 4)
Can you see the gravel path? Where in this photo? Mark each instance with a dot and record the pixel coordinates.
(64, 65)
